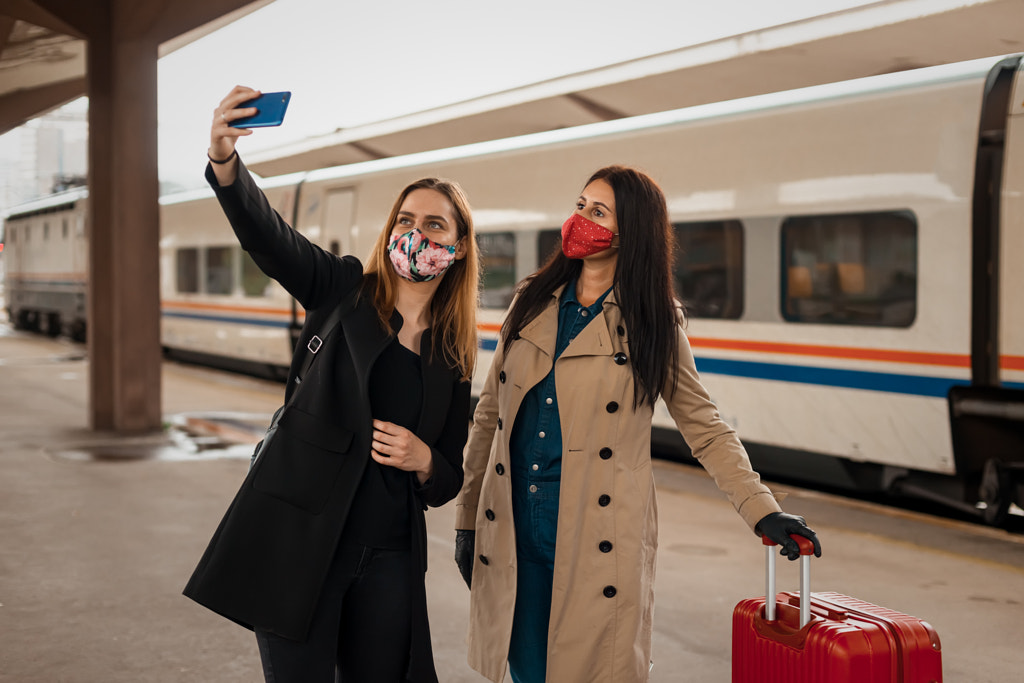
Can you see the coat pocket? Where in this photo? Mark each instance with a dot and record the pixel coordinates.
(301, 461)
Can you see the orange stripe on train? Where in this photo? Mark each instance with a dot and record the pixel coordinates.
(887, 355)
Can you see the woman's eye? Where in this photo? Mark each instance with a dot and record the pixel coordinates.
(579, 205)
(435, 225)
(404, 221)
(598, 213)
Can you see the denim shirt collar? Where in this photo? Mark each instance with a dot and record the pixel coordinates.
(568, 296)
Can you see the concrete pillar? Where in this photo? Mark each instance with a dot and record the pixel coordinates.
(124, 232)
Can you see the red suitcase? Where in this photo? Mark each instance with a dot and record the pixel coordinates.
(832, 639)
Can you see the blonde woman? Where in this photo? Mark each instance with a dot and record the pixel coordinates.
(323, 551)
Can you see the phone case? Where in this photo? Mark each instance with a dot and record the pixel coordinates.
(271, 106)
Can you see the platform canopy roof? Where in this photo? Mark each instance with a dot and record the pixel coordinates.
(43, 45)
(881, 37)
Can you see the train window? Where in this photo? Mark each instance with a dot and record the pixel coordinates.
(548, 241)
(220, 270)
(852, 269)
(254, 281)
(708, 273)
(187, 266)
(498, 259)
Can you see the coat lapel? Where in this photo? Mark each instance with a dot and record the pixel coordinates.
(595, 338)
(542, 331)
(366, 339)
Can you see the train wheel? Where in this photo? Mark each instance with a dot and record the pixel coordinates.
(996, 491)
(52, 324)
(78, 331)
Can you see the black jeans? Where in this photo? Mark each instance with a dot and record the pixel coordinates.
(361, 629)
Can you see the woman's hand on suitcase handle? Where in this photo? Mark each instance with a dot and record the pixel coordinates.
(778, 526)
(396, 446)
(465, 545)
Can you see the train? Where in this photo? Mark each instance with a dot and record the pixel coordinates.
(846, 253)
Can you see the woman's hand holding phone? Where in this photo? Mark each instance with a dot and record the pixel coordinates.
(223, 135)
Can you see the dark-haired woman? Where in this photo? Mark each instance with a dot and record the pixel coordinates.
(323, 550)
(557, 520)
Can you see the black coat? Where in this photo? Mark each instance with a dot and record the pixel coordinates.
(268, 559)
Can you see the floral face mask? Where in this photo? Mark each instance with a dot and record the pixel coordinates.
(418, 258)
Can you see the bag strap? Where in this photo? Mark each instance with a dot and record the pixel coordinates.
(316, 342)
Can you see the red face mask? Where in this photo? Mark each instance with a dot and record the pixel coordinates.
(583, 237)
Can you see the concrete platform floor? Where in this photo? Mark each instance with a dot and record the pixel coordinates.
(98, 534)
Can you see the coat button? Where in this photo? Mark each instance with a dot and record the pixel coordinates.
(499, 468)
(484, 560)
(620, 358)
(611, 408)
(499, 423)
(605, 453)
(605, 546)
(489, 515)
(609, 591)
(621, 330)
(501, 376)
(604, 500)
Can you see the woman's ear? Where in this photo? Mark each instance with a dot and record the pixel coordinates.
(460, 248)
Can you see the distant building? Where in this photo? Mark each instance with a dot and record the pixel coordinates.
(46, 155)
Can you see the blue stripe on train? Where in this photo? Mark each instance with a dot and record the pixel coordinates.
(913, 385)
(226, 319)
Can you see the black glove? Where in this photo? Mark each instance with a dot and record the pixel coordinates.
(778, 526)
(465, 542)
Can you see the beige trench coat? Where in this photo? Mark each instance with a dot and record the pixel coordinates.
(602, 602)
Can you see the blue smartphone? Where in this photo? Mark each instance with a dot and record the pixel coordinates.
(271, 107)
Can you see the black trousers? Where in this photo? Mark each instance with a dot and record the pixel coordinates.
(361, 629)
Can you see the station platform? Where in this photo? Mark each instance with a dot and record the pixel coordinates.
(99, 533)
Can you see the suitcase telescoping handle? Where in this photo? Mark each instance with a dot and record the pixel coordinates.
(806, 550)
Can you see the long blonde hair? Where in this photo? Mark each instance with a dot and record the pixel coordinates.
(453, 306)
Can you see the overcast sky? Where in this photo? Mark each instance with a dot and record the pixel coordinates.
(349, 62)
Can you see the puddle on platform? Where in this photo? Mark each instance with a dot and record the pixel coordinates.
(187, 436)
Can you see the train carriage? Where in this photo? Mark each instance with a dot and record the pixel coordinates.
(45, 264)
(847, 257)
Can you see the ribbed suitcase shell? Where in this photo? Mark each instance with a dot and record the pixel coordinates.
(846, 641)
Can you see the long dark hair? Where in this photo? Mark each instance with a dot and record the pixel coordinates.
(643, 282)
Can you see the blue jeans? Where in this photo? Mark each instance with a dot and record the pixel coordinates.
(362, 627)
(536, 520)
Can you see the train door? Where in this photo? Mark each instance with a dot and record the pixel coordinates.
(337, 236)
(1011, 240)
(987, 417)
